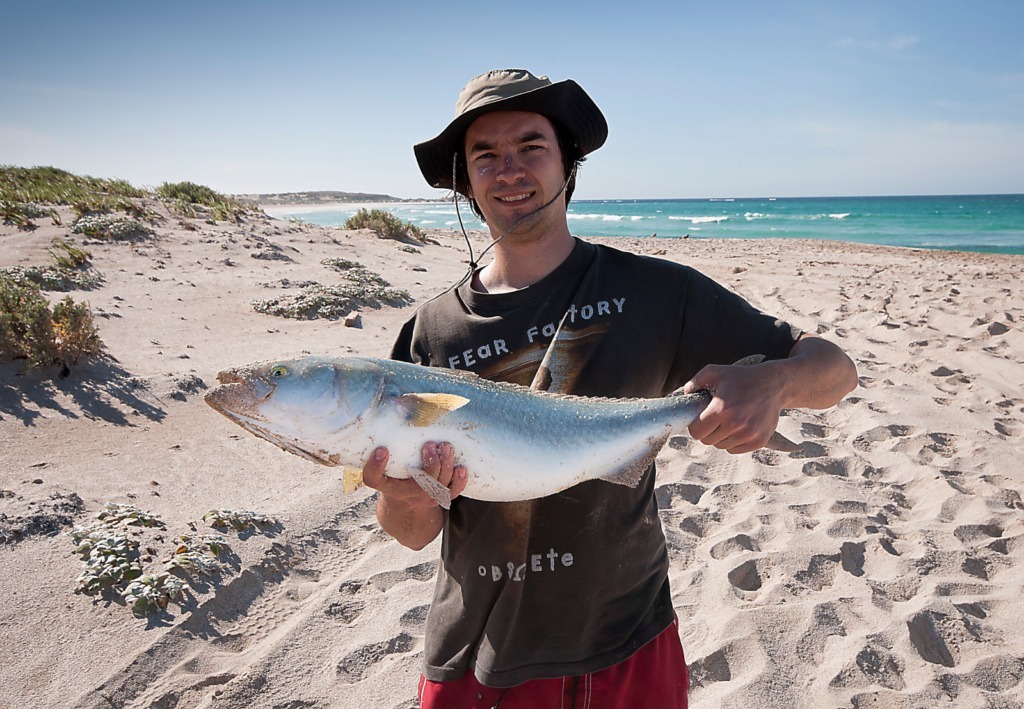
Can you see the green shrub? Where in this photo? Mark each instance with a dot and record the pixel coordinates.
(30, 330)
(384, 224)
(74, 333)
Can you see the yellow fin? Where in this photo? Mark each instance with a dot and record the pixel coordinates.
(351, 479)
(425, 409)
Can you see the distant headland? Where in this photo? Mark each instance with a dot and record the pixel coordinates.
(318, 197)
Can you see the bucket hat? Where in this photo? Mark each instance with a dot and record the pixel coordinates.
(512, 90)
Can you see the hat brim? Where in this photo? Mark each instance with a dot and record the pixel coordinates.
(565, 102)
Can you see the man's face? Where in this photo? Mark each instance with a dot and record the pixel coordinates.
(515, 168)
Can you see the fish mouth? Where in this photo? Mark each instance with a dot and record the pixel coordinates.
(240, 394)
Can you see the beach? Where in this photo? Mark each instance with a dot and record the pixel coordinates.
(881, 565)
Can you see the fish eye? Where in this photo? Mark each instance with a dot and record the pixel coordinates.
(278, 371)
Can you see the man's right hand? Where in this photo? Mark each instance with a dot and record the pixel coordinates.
(404, 510)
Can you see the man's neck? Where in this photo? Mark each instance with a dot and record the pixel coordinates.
(518, 264)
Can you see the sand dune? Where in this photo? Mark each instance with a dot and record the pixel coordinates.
(880, 566)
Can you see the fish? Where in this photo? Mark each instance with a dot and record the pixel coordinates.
(516, 443)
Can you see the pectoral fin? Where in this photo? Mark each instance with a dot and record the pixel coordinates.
(438, 492)
(351, 479)
(425, 409)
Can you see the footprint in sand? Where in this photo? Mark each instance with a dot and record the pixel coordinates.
(970, 534)
(733, 545)
(345, 611)
(839, 467)
(820, 572)
(874, 664)
(388, 579)
(358, 664)
(998, 673)
(938, 444)
(667, 495)
(867, 440)
(900, 590)
(748, 575)
(710, 669)
(938, 635)
(415, 619)
(825, 623)
(699, 524)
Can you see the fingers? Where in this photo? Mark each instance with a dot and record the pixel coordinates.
(438, 461)
(373, 471)
(739, 440)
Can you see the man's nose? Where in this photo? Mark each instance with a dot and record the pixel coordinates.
(510, 169)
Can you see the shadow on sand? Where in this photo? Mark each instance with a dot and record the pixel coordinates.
(100, 389)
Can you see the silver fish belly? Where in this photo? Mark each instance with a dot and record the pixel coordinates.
(516, 443)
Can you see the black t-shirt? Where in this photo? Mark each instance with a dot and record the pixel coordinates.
(574, 582)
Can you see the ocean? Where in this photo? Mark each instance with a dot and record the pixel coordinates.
(983, 223)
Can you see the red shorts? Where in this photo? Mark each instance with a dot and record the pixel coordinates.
(655, 676)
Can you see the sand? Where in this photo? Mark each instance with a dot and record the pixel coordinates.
(882, 565)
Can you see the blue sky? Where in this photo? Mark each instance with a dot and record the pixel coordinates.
(703, 99)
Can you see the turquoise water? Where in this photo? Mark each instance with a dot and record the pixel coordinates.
(985, 223)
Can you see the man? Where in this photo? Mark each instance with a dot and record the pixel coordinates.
(565, 599)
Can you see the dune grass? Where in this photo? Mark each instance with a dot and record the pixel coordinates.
(28, 193)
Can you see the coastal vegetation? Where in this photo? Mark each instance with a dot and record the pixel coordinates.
(29, 193)
(30, 329)
(385, 225)
(112, 563)
(316, 301)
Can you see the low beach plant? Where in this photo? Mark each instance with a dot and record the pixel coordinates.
(198, 553)
(153, 592)
(70, 270)
(108, 558)
(112, 227)
(26, 325)
(316, 301)
(67, 256)
(384, 224)
(28, 193)
(109, 553)
(109, 548)
(238, 519)
(331, 302)
(355, 272)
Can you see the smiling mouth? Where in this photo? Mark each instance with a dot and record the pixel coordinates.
(515, 198)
